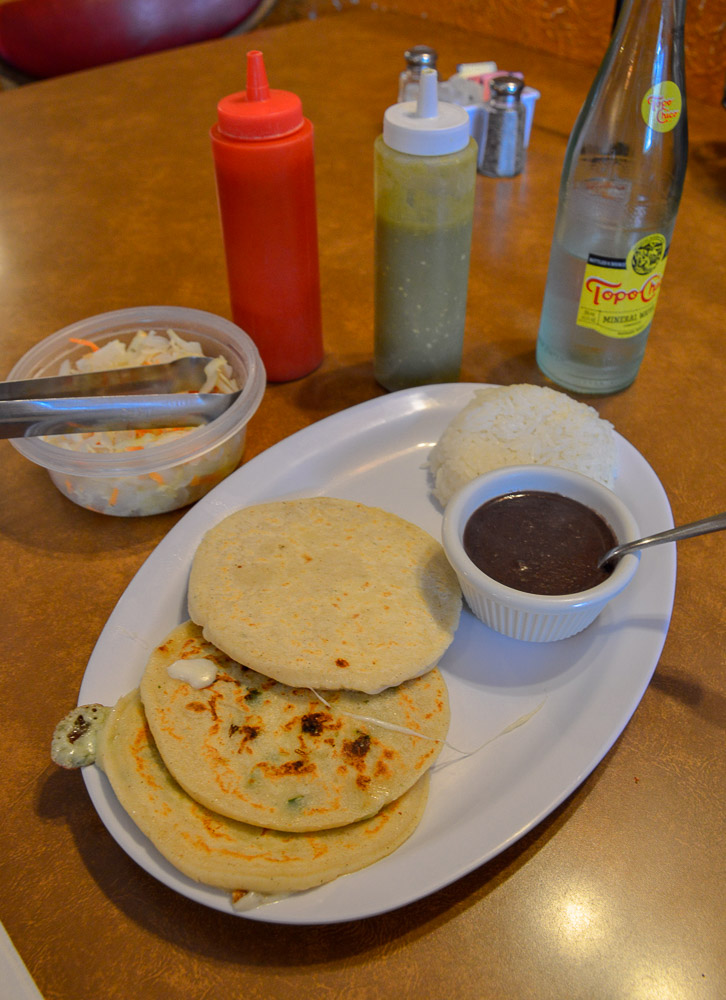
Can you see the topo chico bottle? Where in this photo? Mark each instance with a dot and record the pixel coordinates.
(619, 194)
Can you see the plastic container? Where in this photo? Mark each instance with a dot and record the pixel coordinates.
(168, 475)
(425, 174)
(264, 165)
(536, 617)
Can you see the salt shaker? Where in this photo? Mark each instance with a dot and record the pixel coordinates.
(416, 58)
(503, 153)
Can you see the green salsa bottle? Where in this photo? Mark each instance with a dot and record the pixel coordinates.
(425, 172)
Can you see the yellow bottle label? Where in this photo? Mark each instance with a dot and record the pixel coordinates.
(619, 296)
(662, 105)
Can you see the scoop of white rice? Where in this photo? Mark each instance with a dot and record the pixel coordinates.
(522, 425)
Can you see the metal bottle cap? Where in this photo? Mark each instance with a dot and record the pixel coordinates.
(419, 56)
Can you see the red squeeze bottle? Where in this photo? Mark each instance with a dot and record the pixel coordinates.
(264, 165)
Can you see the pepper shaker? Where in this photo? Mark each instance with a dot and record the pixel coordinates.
(503, 152)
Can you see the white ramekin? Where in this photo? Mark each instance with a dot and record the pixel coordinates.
(536, 617)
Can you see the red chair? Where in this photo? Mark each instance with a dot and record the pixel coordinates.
(44, 38)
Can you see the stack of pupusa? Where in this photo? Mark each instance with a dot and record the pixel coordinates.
(305, 763)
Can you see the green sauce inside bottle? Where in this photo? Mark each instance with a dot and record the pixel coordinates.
(424, 210)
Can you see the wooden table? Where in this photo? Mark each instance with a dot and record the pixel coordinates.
(107, 200)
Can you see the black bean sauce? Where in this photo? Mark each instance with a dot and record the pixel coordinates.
(539, 542)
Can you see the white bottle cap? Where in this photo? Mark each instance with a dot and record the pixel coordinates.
(427, 126)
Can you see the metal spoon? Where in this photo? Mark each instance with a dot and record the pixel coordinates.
(717, 522)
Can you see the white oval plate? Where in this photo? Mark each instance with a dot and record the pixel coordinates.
(588, 686)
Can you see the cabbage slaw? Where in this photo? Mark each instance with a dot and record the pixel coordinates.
(163, 489)
(145, 348)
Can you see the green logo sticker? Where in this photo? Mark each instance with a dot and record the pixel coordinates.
(661, 107)
(647, 254)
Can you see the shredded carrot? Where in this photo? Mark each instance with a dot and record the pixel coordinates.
(134, 447)
(154, 431)
(83, 343)
(157, 477)
(209, 479)
(114, 497)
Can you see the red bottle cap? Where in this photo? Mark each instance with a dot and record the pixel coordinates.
(258, 112)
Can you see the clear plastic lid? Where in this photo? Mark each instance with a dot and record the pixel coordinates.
(427, 126)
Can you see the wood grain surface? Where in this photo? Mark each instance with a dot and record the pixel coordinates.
(107, 200)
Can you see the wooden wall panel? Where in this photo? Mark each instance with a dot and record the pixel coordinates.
(574, 29)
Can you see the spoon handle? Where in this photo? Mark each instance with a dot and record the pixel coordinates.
(716, 522)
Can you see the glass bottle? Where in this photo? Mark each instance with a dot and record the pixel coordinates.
(619, 194)
(424, 182)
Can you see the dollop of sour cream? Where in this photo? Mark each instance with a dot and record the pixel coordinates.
(198, 671)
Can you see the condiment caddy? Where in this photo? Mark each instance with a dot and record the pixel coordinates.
(495, 111)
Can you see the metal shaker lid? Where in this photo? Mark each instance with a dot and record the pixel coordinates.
(506, 89)
(419, 56)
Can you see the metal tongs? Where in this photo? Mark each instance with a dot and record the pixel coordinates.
(119, 399)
